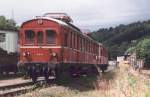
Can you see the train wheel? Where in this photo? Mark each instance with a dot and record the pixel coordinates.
(46, 74)
(63, 75)
(103, 71)
(93, 70)
(103, 68)
(1, 72)
(72, 71)
(33, 74)
(34, 79)
(57, 73)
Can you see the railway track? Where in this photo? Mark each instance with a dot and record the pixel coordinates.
(20, 88)
(24, 87)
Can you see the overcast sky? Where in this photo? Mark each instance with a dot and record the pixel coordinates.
(86, 14)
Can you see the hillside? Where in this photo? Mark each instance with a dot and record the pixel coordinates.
(122, 37)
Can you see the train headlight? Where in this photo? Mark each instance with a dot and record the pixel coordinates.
(24, 54)
(28, 53)
(53, 54)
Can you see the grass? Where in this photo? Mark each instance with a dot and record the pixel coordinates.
(123, 82)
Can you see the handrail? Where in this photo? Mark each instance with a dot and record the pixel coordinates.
(59, 16)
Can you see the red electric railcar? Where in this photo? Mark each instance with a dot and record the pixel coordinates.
(50, 43)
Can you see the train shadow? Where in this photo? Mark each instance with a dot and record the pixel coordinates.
(85, 82)
(81, 83)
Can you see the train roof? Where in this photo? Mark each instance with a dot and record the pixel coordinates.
(55, 20)
(60, 16)
(47, 18)
(62, 23)
(8, 31)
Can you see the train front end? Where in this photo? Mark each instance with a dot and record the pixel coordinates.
(40, 47)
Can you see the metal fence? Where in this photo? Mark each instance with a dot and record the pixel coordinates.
(137, 64)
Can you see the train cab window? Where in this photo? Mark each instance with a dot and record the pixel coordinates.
(50, 37)
(40, 38)
(2, 37)
(29, 36)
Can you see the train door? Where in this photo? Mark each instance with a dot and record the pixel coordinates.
(40, 37)
(39, 52)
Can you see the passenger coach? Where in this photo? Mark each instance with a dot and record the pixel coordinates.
(51, 44)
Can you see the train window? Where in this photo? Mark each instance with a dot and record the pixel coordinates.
(95, 48)
(50, 37)
(92, 47)
(71, 39)
(74, 42)
(40, 37)
(88, 46)
(80, 48)
(101, 52)
(78, 39)
(104, 53)
(2, 37)
(66, 39)
(83, 45)
(29, 36)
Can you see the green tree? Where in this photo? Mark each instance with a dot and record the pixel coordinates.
(122, 37)
(143, 49)
(7, 24)
(11, 24)
(3, 23)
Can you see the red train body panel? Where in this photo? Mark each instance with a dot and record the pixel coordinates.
(47, 40)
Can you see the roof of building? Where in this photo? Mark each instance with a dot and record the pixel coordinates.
(7, 31)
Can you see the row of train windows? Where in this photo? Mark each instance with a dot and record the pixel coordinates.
(31, 35)
(79, 43)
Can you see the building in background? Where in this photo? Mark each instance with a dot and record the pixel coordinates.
(9, 41)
